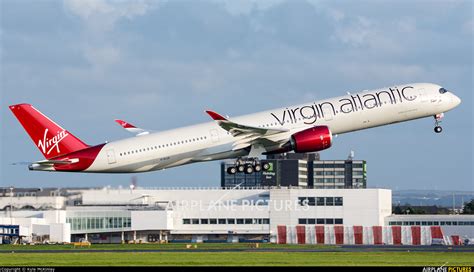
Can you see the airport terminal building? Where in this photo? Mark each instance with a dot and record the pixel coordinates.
(106, 215)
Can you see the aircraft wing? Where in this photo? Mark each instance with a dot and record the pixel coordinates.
(248, 135)
(131, 128)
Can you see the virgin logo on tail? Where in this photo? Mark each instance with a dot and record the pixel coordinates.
(47, 145)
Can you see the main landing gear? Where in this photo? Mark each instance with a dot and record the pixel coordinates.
(438, 118)
(247, 166)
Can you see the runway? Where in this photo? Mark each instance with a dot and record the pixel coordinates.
(345, 248)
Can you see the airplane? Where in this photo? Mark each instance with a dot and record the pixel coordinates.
(308, 127)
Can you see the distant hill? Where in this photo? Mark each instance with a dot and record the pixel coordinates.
(431, 197)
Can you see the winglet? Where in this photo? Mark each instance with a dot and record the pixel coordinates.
(215, 116)
(124, 124)
(131, 128)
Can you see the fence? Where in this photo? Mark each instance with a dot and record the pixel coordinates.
(359, 235)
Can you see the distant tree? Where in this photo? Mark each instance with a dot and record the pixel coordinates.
(409, 210)
(419, 211)
(468, 207)
(398, 210)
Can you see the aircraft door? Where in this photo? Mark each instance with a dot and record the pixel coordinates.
(111, 156)
(424, 97)
(214, 135)
(328, 113)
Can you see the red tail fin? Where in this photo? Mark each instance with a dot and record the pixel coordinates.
(50, 138)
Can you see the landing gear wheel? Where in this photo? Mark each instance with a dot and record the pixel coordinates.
(258, 168)
(240, 168)
(231, 170)
(438, 118)
(266, 166)
(249, 169)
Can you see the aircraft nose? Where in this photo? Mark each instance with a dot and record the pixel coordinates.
(456, 100)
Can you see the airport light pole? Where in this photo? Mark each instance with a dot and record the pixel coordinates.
(11, 205)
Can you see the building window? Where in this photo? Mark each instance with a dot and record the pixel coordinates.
(319, 221)
(338, 201)
(338, 221)
(213, 221)
(303, 201)
(186, 221)
(240, 221)
(320, 201)
(329, 221)
(195, 221)
(205, 221)
(231, 221)
(221, 221)
(248, 220)
(302, 221)
(266, 221)
(329, 201)
(311, 221)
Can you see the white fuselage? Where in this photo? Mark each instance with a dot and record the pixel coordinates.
(208, 141)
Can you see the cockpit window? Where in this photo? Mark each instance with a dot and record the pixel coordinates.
(443, 90)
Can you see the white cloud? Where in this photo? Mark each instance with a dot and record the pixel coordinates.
(382, 72)
(236, 7)
(102, 15)
(406, 25)
(102, 56)
(469, 27)
(99, 18)
(336, 15)
(357, 33)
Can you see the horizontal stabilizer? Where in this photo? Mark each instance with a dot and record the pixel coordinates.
(53, 162)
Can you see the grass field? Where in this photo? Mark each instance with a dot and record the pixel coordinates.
(18, 255)
(238, 258)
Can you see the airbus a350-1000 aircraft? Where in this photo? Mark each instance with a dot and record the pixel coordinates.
(302, 128)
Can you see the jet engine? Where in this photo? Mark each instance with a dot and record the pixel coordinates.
(311, 140)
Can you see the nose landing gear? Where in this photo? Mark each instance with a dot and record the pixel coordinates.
(438, 117)
(247, 166)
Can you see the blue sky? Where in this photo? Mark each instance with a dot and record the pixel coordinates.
(160, 64)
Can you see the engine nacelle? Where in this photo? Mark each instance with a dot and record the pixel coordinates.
(311, 140)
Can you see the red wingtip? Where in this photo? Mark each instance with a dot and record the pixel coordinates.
(124, 124)
(215, 116)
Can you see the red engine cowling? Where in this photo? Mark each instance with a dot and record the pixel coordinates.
(312, 139)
